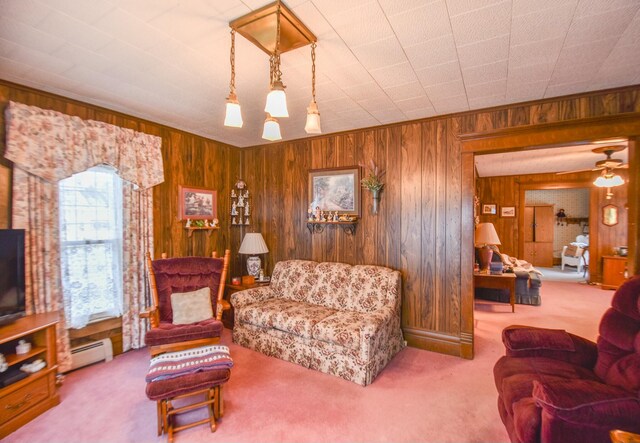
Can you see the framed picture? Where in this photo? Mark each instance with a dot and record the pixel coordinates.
(507, 211)
(490, 209)
(610, 215)
(197, 204)
(336, 189)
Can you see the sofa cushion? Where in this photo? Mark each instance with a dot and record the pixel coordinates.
(371, 288)
(331, 287)
(343, 328)
(299, 318)
(293, 279)
(261, 314)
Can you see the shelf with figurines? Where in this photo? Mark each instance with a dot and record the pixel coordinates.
(240, 205)
(318, 220)
(201, 225)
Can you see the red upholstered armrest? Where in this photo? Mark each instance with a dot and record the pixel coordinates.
(527, 341)
(588, 401)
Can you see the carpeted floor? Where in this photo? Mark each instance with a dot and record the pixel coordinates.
(420, 397)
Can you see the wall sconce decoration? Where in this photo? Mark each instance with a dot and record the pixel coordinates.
(373, 182)
(610, 215)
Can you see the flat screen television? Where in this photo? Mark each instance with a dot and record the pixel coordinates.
(12, 304)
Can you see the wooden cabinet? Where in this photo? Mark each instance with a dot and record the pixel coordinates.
(538, 235)
(22, 401)
(614, 270)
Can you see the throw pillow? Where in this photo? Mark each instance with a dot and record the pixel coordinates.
(529, 338)
(191, 307)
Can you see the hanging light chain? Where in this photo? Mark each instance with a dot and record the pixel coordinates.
(232, 57)
(277, 74)
(313, 71)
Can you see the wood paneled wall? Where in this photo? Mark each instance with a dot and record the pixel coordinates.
(188, 160)
(508, 191)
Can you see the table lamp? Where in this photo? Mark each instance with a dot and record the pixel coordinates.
(486, 235)
(253, 244)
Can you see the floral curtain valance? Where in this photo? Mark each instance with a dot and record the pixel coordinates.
(53, 146)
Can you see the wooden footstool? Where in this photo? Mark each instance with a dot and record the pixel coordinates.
(194, 372)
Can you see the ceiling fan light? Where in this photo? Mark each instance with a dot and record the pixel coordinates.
(313, 119)
(277, 101)
(616, 180)
(233, 114)
(271, 130)
(600, 182)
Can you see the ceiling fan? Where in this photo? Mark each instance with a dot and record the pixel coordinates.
(608, 164)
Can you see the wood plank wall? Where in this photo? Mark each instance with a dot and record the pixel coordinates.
(507, 190)
(188, 160)
(421, 226)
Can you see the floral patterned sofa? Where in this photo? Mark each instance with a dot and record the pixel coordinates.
(332, 317)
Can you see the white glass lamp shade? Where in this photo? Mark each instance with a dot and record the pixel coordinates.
(608, 182)
(313, 119)
(277, 101)
(252, 244)
(486, 235)
(271, 129)
(233, 114)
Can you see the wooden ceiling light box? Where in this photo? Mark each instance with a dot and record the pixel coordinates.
(259, 27)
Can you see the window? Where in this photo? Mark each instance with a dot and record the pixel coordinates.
(91, 245)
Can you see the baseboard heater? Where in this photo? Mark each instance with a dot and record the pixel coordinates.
(91, 352)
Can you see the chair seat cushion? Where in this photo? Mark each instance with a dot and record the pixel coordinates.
(171, 387)
(167, 333)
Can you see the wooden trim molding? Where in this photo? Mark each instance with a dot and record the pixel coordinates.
(552, 134)
(461, 346)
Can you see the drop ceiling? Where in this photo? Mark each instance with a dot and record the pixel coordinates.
(378, 62)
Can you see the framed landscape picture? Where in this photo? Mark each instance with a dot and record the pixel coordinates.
(336, 189)
(489, 209)
(197, 204)
(507, 211)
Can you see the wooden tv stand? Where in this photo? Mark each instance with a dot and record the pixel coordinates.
(25, 399)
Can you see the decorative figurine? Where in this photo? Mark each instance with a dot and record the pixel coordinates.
(246, 194)
(317, 213)
(206, 224)
(214, 223)
(188, 225)
(246, 221)
(240, 201)
(335, 216)
(309, 214)
(234, 221)
(234, 209)
(3, 363)
(246, 208)
(233, 193)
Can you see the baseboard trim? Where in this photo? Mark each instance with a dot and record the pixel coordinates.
(439, 342)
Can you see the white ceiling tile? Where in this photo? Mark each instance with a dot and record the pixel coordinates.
(84, 10)
(11, 69)
(415, 103)
(574, 73)
(393, 7)
(486, 102)
(147, 9)
(439, 73)
(313, 18)
(535, 53)
(403, 92)
(421, 24)
(388, 117)
(591, 52)
(29, 12)
(394, 75)
(485, 73)
(521, 7)
(482, 24)
(371, 24)
(349, 75)
(449, 105)
(481, 53)
(623, 55)
(531, 73)
(525, 91)
(29, 36)
(457, 7)
(543, 24)
(75, 31)
(420, 113)
(601, 26)
(445, 90)
(433, 52)
(592, 7)
(381, 103)
(380, 53)
(565, 89)
(498, 87)
(364, 91)
(30, 57)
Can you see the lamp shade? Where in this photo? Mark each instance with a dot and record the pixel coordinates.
(253, 243)
(486, 235)
(277, 101)
(313, 119)
(233, 115)
(608, 182)
(271, 129)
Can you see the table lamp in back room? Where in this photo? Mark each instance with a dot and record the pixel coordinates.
(253, 244)
(485, 237)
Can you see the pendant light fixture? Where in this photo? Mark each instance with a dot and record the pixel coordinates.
(313, 115)
(275, 30)
(271, 130)
(233, 114)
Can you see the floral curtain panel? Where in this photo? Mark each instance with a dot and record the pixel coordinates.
(47, 146)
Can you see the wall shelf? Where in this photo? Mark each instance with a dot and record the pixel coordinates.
(209, 229)
(318, 227)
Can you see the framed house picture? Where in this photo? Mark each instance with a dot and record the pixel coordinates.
(489, 209)
(507, 211)
(197, 204)
(335, 189)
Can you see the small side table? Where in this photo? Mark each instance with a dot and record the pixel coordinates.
(228, 315)
(498, 281)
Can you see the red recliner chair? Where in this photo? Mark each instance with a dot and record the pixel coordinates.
(557, 387)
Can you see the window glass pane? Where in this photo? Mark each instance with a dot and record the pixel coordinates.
(91, 244)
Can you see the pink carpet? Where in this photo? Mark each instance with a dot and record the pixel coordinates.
(420, 397)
